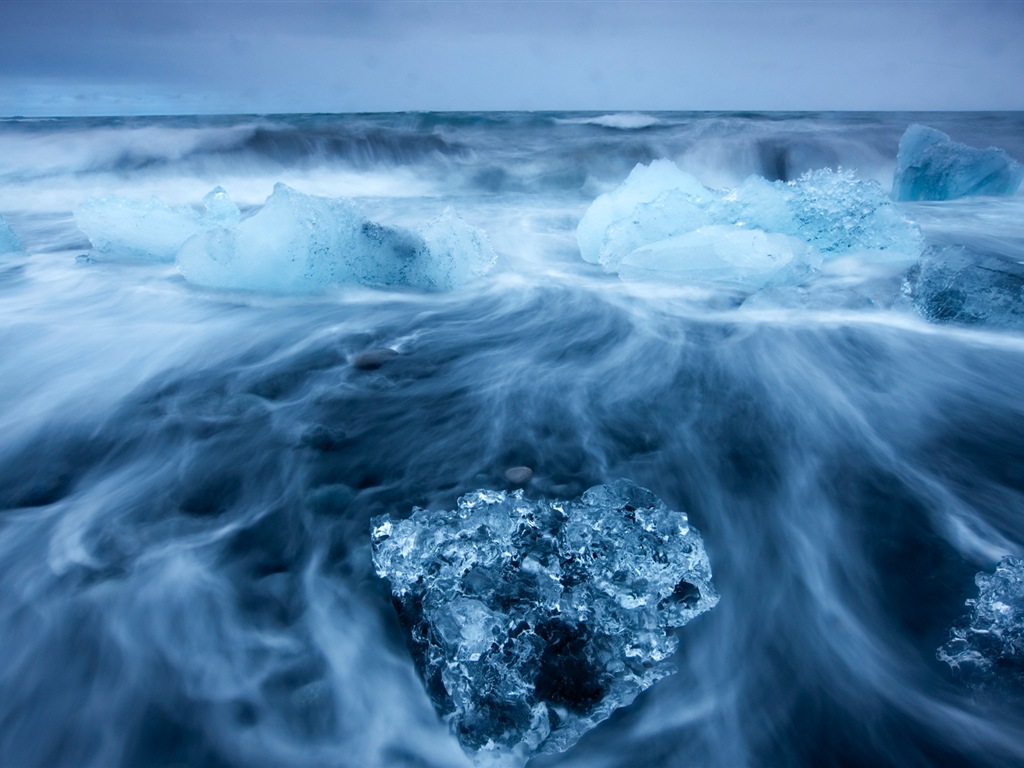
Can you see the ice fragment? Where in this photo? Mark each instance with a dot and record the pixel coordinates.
(986, 648)
(532, 621)
(9, 242)
(931, 166)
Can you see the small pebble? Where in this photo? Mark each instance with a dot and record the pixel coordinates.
(372, 359)
(518, 475)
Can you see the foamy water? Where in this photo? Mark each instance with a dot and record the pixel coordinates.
(187, 475)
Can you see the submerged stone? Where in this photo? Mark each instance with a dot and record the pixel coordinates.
(372, 359)
(519, 475)
(532, 621)
(931, 166)
(986, 648)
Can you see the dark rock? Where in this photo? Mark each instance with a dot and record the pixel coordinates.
(372, 359)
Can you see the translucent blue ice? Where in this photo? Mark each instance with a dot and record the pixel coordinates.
(662, 222)
(953, 284)
(9, 242)
(931, 166)
(127, 229)
(532, 621)
(299, 243)
(986, 648)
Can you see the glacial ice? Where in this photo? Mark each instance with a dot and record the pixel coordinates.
(298, 243)
(986, 648)
(532, 621)
(931, 166)
(127, 229)
(953, 284)
(662, 221)
(9, 242)
(219, 210)
(644, 184)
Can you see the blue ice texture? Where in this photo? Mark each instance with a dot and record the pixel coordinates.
(9, 242)
(955, 284)
(662, 222)
(298, 243)
(986, 648)
(532, 621)
(128, 229)
(295, 243)
(931, 166)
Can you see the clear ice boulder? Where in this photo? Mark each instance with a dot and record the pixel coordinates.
(985, 649)
(531, 621)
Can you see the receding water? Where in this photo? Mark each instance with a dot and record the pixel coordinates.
(187, 475)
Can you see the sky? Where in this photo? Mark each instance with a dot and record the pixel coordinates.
(80, 57)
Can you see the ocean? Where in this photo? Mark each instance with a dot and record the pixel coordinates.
(190, 460)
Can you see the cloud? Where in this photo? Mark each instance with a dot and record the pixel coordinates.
(368, 56)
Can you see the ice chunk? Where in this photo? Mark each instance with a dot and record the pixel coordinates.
(952, 284)
(645, 184)
(122, 228)
(931, 166)
(9, 242)
(663, 222)
(986, 648)
(532, 621)
(298, 243)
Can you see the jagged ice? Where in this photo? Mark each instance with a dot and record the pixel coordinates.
(663, 222)
(532, 621)
(986, 647)
(931, 166)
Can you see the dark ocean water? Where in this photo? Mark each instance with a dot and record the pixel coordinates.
(187, 475)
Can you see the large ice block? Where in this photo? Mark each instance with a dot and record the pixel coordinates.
(931, 166)
(661, 222)
(532, 621)
(299, 243)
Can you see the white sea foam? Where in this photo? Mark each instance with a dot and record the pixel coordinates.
(625, 121)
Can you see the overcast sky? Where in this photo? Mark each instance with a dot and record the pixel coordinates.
(161, 57)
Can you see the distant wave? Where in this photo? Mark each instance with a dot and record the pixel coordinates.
(77, 147)
(624, 121)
